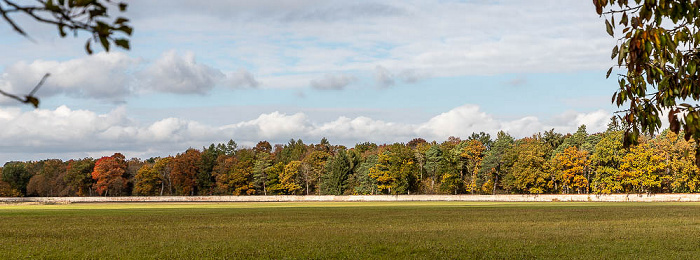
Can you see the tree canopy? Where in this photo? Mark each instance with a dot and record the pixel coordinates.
(657, 49)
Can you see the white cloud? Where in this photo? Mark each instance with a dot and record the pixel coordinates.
(102, 76)
(443, 39)
(180, 74)
(66, 133)
(335, 81)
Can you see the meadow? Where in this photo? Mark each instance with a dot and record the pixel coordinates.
(426, 230)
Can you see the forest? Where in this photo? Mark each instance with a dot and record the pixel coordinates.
(549, 162)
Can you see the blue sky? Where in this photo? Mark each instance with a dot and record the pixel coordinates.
(352, 71)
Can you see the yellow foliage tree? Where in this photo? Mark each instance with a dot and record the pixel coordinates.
(473, 153)
(642, 169)
(570, 170)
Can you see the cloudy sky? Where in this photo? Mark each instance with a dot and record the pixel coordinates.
(203, 72)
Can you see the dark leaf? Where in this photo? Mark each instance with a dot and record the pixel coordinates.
(88, 49)
(124, 43)
(609, 28)
(105, 43)
(121, 20)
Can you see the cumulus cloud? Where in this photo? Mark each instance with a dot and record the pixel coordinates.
(241, 78)
(115, 76)
(180, 74)
(66, 133)
(460, 121)
(101, 76)
(335, 81)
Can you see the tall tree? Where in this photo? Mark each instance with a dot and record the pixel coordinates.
(681, 171)
(570, 168)
(606, 162)
(148, 181)
(395, 171)
(529, 171)
(338, 168)
(473, 153)
(642, 169)
(78, 176)
(434, 163)
(494, 164)
(260, 171)
(205, 179)
(313, 167)
(288, 183)
(185, 167)
(109, 175)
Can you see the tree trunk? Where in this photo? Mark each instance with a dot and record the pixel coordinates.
(494, 184)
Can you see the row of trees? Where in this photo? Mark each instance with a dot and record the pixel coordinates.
(547, 162)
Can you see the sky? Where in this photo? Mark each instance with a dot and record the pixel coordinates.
(202, 72)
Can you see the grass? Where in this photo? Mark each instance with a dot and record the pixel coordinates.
(427, 230)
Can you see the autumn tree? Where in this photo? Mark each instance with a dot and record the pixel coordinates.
(109, 175)
(48, 181)
(681, 174)
(642, 169)
(164, 168)
(529, 171)
(287, 180)
(239, 178)
(148, 181)
(7, 191)
(185, 167)
(395, 170)
(473, 154)
(570, 168)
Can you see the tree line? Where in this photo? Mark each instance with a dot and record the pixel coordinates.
(547, 162)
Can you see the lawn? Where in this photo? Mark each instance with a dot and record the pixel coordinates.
(427, 230)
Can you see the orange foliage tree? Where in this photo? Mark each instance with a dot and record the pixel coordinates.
(184, 172)
(109, 175)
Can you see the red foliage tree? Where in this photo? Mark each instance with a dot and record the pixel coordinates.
(109, 175)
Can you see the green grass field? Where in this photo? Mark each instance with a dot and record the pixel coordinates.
(427, 230)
